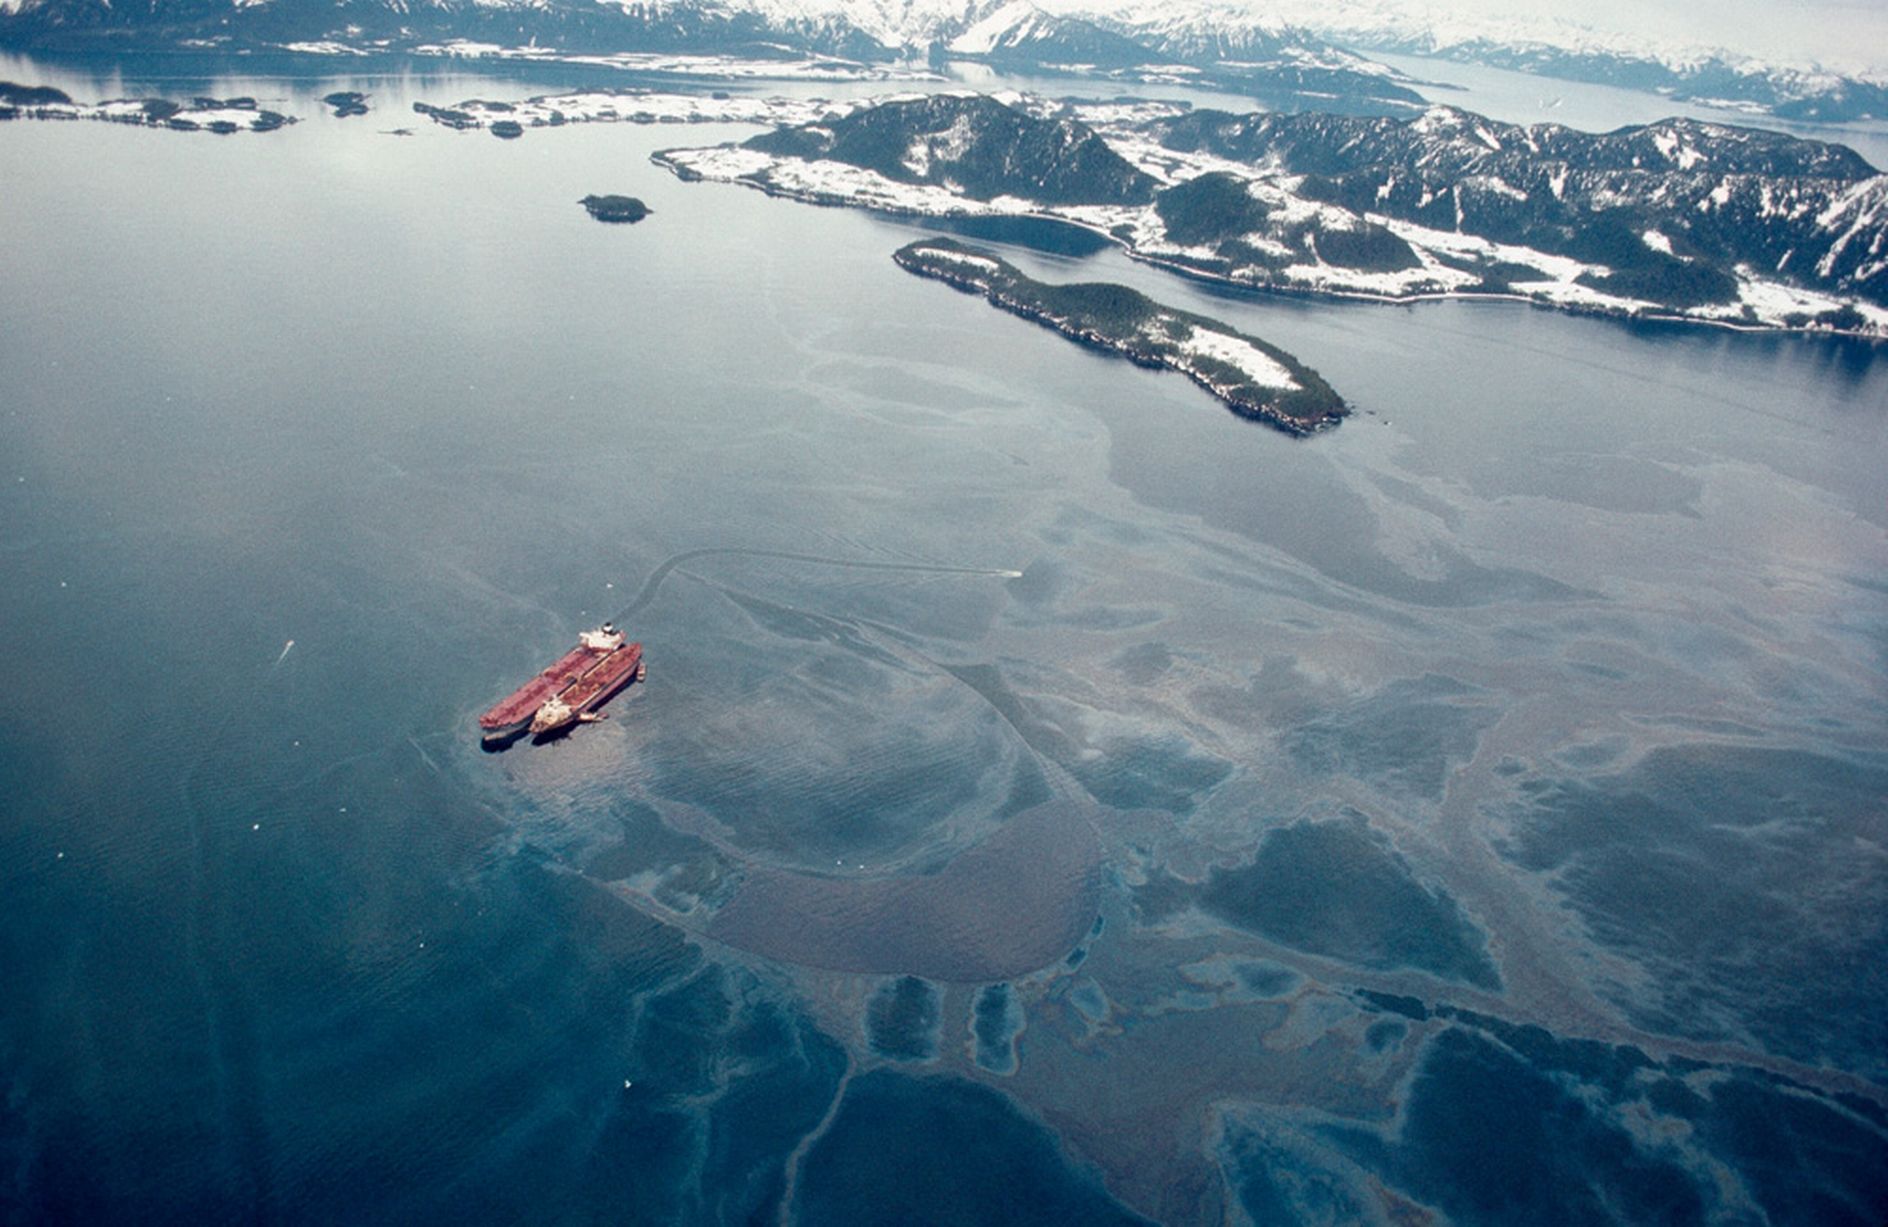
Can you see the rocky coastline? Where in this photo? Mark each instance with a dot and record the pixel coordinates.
(1251, 377)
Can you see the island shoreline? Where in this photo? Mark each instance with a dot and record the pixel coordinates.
(1242, 390)
(688, 174)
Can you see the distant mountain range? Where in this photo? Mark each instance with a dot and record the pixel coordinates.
(1222, 45)
(1277, 65)
(1755, 80)
(1721, 80)
(1014, 31)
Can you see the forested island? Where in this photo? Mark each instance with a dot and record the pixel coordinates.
(1253, 378)
(615, 208)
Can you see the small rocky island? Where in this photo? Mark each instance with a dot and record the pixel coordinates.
(1255, 379)
(615, 208)
(219, 115)
(346, 102)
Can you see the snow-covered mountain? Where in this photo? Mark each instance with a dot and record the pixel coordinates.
(1722, 79)
(1277, 65)
(1013, 30)
(969, 143)
(1277, 50)
(1690, 62)
(705, 26)
(1280, 67)
(1022, 33)
(1679, 219)
(1674, 211)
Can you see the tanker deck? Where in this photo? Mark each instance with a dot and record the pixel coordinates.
(514, 713)
(580, 701)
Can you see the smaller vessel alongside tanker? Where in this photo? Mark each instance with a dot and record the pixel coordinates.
(571, 690)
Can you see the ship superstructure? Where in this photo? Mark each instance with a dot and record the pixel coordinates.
(579, 703)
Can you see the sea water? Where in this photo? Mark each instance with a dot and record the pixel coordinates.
(1479, 806)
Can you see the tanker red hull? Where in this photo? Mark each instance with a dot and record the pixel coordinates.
(586, 676)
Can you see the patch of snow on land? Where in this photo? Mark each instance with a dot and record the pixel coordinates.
(652, 107)
(1676, 150)
(242, 117)
(1252, 362)
(810, 68)
(722, 164)
(1138, 219)
(947, 146)
(893, 24)
(1573, 294)
(1014, 205)
(1772, 303)
(188, 118)
(813, 69)
(917, 157)
(1126, 111)
(1497, 185)
(1004, 26)
(1858, 213)
(1450, 242)
(834, 182)
(982, 264)
(323, 48)
(954, 142)
(1657, 242)
(466, 49)
(1416, 282)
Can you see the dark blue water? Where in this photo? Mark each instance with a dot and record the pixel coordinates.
(1477, 811)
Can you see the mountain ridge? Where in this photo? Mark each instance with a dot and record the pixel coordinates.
(1679, 219)
(1236, 44)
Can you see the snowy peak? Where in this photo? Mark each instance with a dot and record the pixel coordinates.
(972, 144)
(892, 27)
(1092, 37)
(1797, 89)
(1206, 34)
(1021, 33)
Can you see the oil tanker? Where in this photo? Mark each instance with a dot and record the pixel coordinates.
(571, 689)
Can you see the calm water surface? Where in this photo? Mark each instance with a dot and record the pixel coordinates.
(1479, 808)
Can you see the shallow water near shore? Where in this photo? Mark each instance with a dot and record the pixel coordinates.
(1477, 807)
